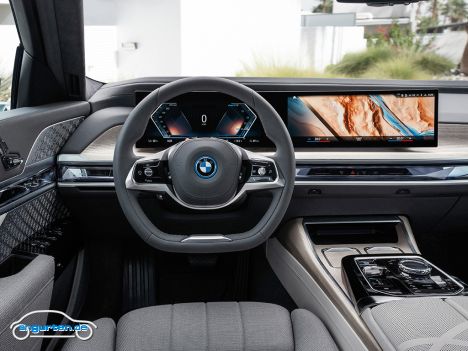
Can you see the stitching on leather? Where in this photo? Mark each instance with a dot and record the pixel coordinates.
(207, 328)
(171, 326)
(239, 307)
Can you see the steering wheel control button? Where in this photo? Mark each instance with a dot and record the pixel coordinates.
(148, 172)
(262, 171)
(206, 167)
(151, 172)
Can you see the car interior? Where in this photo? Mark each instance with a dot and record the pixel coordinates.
(213, 213)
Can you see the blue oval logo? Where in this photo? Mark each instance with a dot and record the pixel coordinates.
(206, 167)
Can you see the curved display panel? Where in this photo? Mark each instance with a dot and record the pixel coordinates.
(403, 118)
(203, 115)
(375, 118)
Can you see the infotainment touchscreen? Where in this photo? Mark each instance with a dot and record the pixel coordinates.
(403, 118)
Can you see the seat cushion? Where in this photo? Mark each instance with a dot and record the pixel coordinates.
(103, 338)
(249, 326)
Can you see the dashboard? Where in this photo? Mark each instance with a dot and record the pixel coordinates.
(427, 184)
(375, 118)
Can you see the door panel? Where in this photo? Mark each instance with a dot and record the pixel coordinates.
(31, 210)
(28, 219)
(37, 134)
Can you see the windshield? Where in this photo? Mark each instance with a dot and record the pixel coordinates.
(275, 38)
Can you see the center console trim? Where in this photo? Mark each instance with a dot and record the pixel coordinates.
(295, 240)
(410, 257)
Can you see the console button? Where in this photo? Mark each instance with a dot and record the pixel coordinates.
(372, 271)
(439, 281)
(365, 262)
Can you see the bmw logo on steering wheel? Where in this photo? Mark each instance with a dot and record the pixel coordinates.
(206, 167)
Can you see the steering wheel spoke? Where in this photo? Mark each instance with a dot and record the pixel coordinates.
(261, 173)
(149, 174)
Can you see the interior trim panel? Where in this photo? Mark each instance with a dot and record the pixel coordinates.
(36, 134)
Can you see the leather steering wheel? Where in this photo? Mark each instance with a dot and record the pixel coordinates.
(204, 174)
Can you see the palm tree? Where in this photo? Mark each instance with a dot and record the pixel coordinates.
(455, 10)
(326, 6)
(435, 10)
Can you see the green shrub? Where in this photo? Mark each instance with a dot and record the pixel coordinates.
(396, 68)
(261, 68)
(356, 64)
(377, 62)
(433, 63)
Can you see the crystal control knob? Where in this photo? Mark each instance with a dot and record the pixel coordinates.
(415, 267)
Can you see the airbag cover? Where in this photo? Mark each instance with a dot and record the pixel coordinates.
(205, 171)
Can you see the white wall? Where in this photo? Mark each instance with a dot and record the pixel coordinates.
(155, 26)
(449, 44)
(6, 16)
(9, 42)
(101, 53)
(100, 12)
(327, 45)
(218, 36)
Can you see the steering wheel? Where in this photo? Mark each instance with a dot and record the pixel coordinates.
(204, 174)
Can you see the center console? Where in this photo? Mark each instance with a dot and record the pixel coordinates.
(369, 278)
(370, 272)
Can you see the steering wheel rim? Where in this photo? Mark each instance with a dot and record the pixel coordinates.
(125, 159)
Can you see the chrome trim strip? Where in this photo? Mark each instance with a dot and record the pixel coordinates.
(304, 183)
(86, 184)
(2, 218)
(382, 182)
(370, 221)
(205, 238)
(306, 158)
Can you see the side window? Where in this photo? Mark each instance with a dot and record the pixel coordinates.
(8, 44)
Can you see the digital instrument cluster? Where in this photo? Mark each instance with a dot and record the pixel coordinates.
(203, 115)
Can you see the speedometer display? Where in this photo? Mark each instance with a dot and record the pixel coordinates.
(203, 115)
(172, 123)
